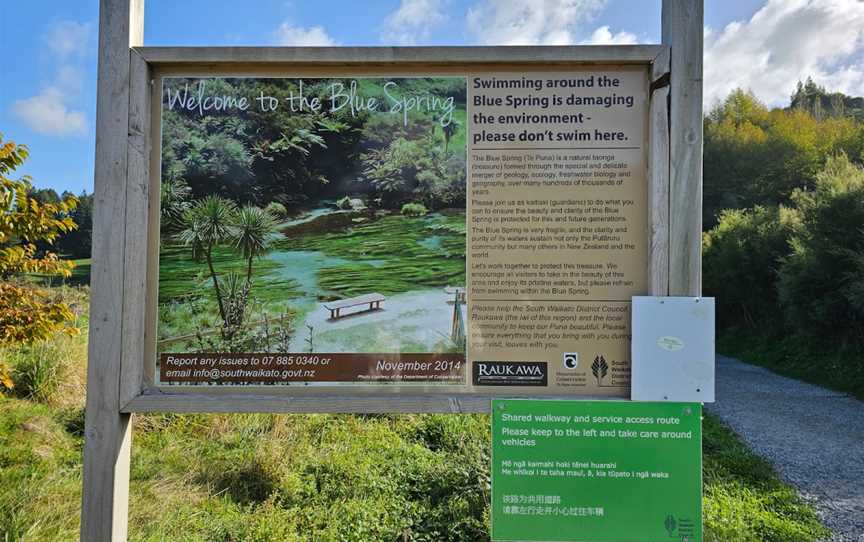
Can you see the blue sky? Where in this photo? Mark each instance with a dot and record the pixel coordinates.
(48, 77)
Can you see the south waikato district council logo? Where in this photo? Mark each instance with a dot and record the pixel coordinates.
(599, 369)
(679, 529)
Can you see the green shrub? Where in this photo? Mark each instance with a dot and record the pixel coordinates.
(821, 284)
(344, 203)
(414, 209)
(38, 371)
(740, 260)
(416, 170)
(276, 210)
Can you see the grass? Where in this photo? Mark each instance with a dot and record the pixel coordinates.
(80, 275)
(830, 365)
(256, 477)
(743, 499)
(53, 371)
(40, 472)
(326, 477)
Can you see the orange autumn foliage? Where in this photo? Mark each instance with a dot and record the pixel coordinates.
(29, 313)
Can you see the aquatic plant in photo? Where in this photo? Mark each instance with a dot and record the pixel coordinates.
(284, 210)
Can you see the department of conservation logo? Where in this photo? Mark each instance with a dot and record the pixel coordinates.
(571, 360)
(510, 373)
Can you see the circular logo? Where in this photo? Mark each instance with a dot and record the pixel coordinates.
(571, 360)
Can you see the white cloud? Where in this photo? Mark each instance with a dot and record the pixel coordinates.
(47, 113)
(530, 22)
(68, 39)
(784, 42)
(50, 111)
(297, 36)
(70, 80)
(413, 21)
(604, 36)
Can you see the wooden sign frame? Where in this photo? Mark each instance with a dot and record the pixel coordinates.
(139, 392)
(118, 384)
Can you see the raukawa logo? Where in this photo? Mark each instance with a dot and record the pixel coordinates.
(518, 370)
(510, 373)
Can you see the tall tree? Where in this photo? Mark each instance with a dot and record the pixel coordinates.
(208, 224)
(77, 243)
(254, 234)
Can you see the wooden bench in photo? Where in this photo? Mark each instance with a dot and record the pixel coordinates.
(373, 300)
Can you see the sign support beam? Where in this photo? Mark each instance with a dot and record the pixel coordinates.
(108, 435)
(682, 32)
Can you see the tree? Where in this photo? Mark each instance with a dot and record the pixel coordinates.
(77, 243)
(741, 256)
(754, 156)
(174, 201)
(415, 170)
(820, 103)
(28, 313)
(254, 234)
(736, 154)
(821, 283)
(207, 224)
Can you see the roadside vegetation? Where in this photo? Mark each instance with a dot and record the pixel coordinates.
(784, 248)
(255, 477)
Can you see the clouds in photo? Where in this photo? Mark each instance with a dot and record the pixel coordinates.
(413, 21)
(784, 42)
(296, 36)
(52, 111)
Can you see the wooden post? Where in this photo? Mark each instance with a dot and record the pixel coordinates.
(108, 433)
(682, 32)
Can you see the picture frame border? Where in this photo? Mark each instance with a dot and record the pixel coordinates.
(139, 393)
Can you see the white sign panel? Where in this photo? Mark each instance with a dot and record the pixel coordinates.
(673, 349)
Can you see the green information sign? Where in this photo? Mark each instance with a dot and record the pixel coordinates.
(598, 471)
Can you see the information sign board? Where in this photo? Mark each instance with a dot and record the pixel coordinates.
(598, 471)
(445, 232)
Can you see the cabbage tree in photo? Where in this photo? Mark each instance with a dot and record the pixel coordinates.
(313, 215)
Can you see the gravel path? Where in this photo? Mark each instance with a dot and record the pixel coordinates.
(813, 436)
